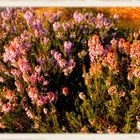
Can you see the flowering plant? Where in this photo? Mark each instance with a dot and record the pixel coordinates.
(76, 75)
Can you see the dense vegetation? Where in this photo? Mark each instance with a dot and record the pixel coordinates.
(74, 74)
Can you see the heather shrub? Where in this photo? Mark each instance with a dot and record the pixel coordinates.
(75, 75)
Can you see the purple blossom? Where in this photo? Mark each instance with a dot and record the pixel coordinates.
(67, 46)
(67, 67)
(41, 60)
(37, 24)
(5, 15)
(23, 65)
(78, 17)
(56, 26)
(116, 16)
(54, 17)
(65, 26)
(100, 16)
(9, 10)
(43, 31)
(28, 16)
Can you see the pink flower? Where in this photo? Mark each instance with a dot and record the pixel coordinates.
(56, 26)
(19, 86)
(24, 65)
(45, 83)
(100, 16)
(28, 16)
(65, 26)
(82, 96)
(6, 108)
(40, 79)
(62, 63)
(111, 62)
(78, 17)
(45, 110)
(44, 40)
(116, 16)
(65, 91)
(32, 92)
(25, 77)
(52, 52)
(67, 46)
(2, 80)
(96, 50)
(45, 99)
(40, 102)
(9, 94)
(51, 96)
(16, 72)
(113, 42)
(30, 114)
(57, 56)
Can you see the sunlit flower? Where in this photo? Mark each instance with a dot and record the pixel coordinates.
(95, 69)
(67, 46)
(45, 110)
(6, 108)
(100, 16)
(32, 92)
(78, 17)
(116, 16)
(30, 114)
(56, 26)
(112, 90)
(65, 26)
(96, 50)
(112, 130)
(51, 96)
(24, 65)
(65, 91)
(2, 125)
(40, 102)
(19, 86)
(1, 80)
(9, 94)
(82, 96)
(28, 16)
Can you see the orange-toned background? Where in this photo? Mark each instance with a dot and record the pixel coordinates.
(129, 17)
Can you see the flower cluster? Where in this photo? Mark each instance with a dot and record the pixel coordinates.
(96, 50)
(66, 66)
(78, 17)
(67, 46)
(7, 17)
(36, 24)
(135, 57)
(16, 51)
(77, 70)
(101, 21)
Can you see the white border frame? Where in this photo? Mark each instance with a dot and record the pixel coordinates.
(69, 3)
(69, 136)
